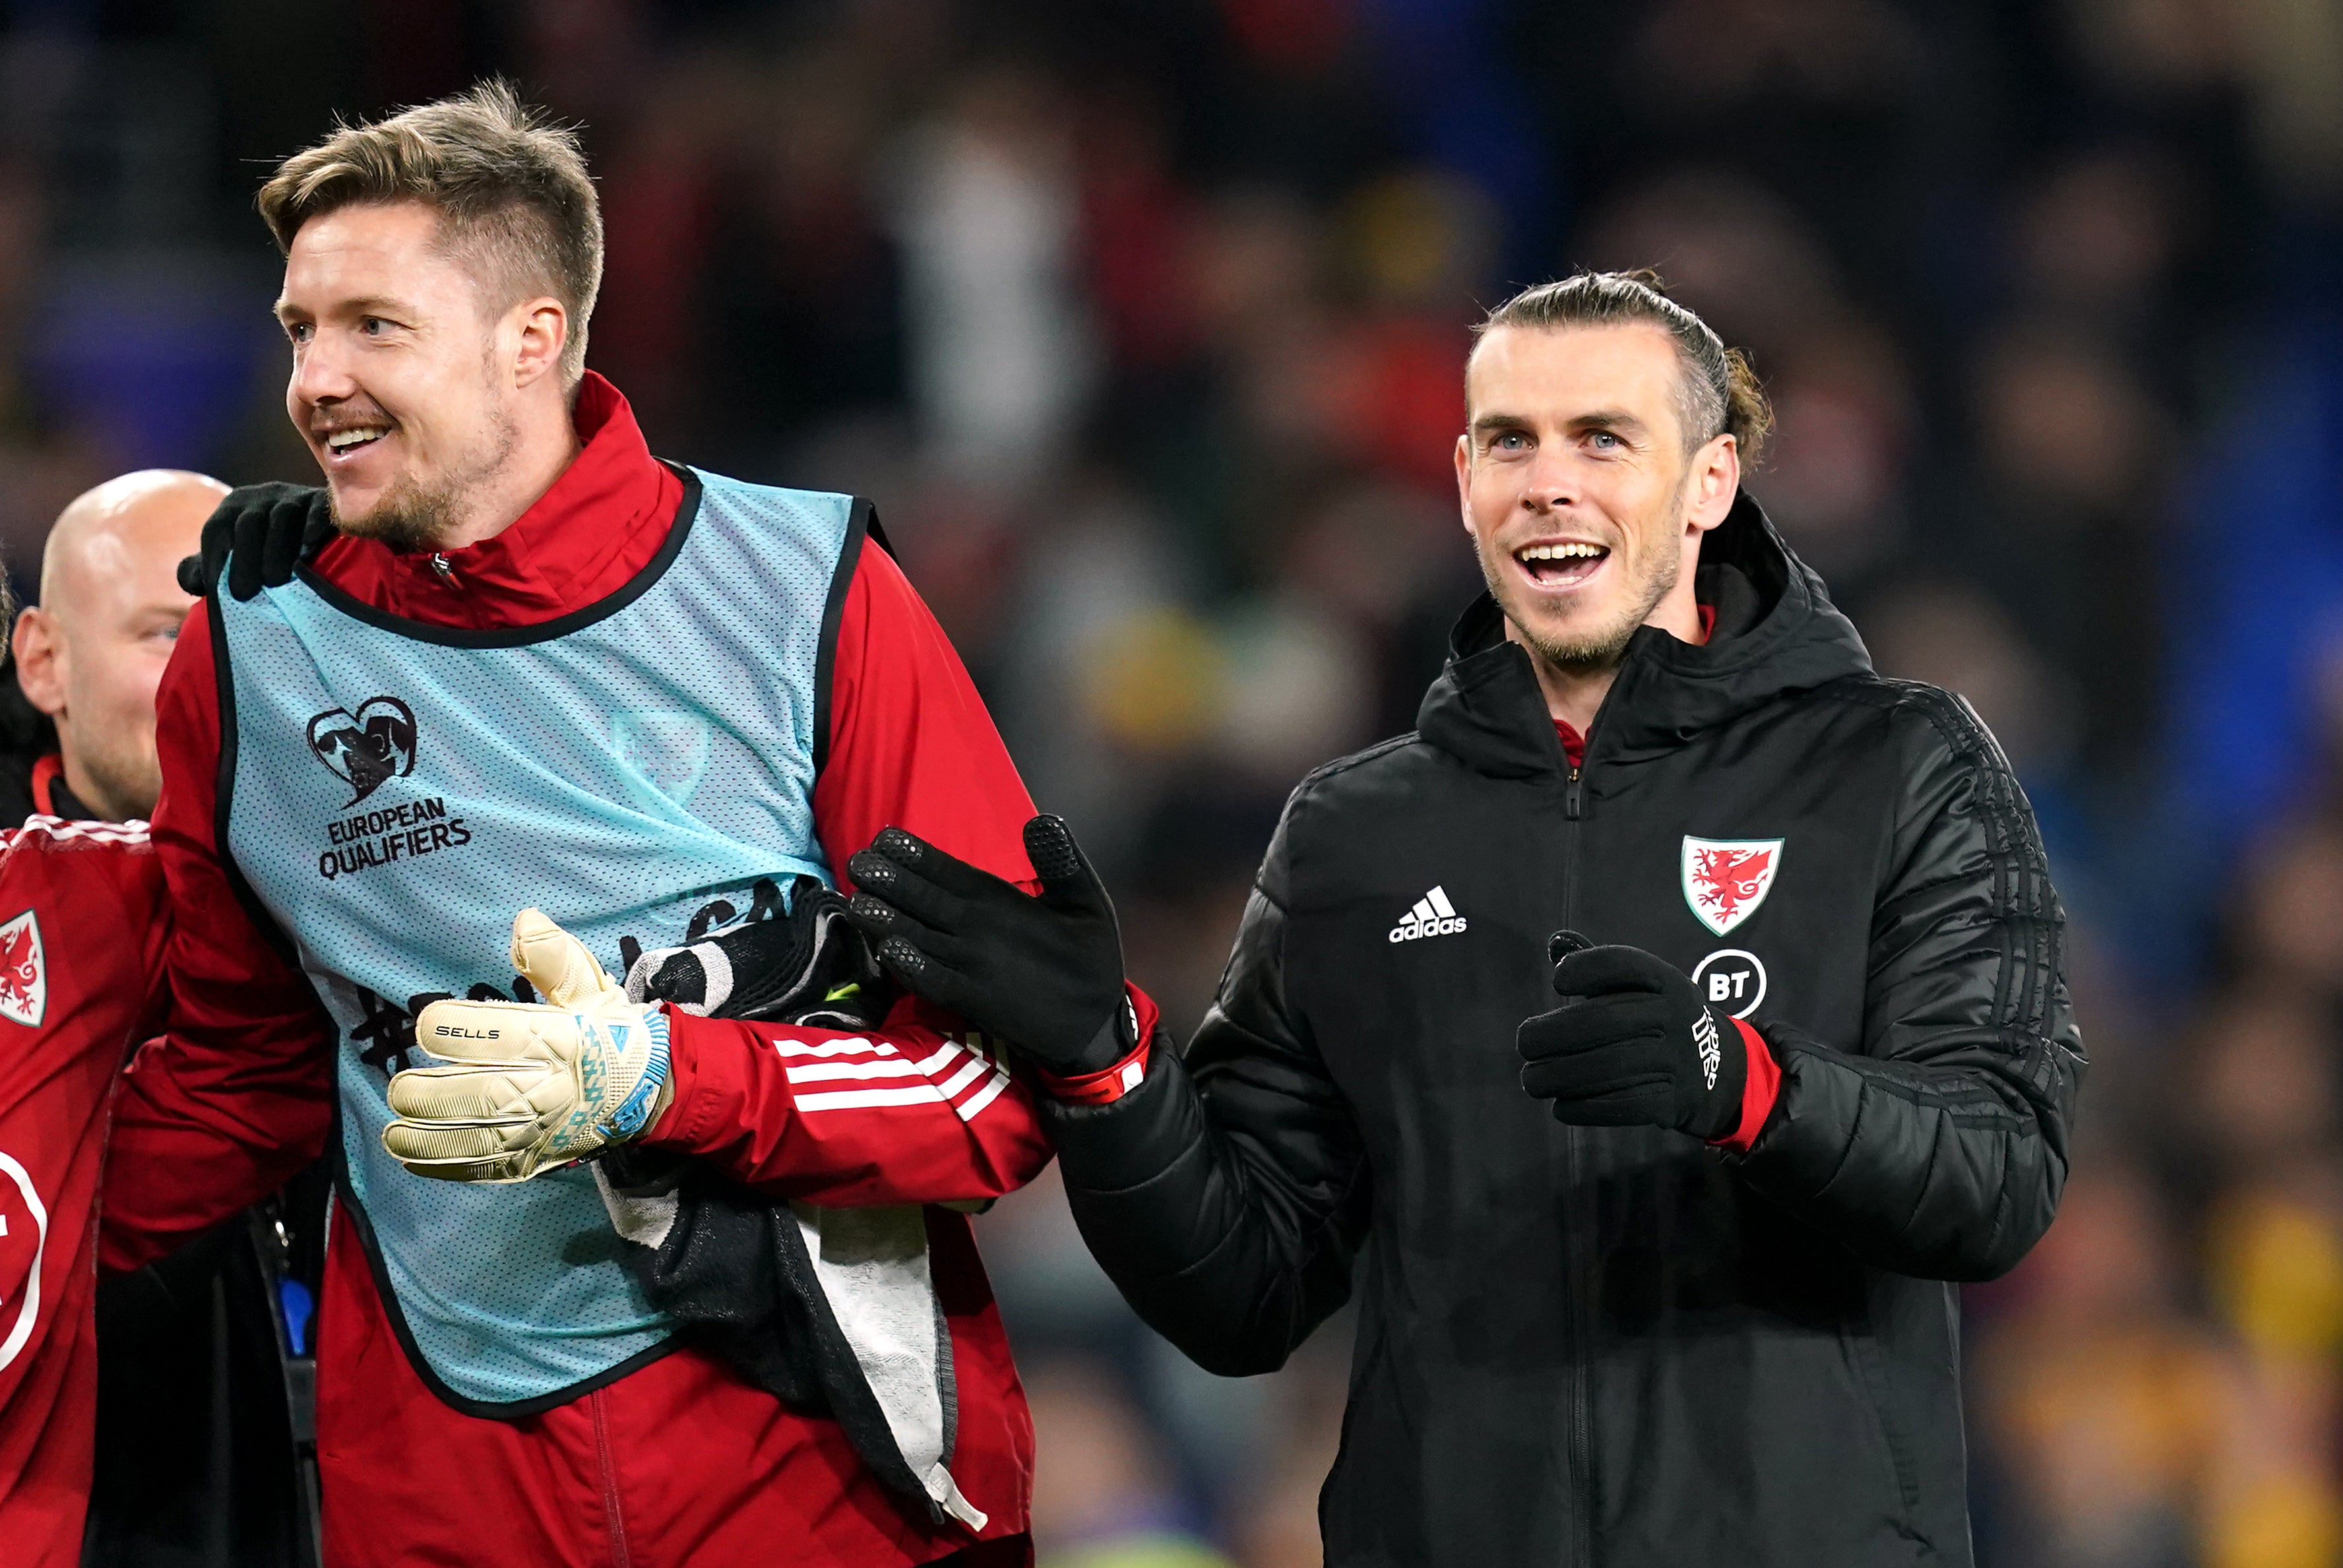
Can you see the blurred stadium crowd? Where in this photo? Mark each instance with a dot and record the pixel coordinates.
(1143, 320)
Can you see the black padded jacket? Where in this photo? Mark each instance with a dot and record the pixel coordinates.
(1616, 1346)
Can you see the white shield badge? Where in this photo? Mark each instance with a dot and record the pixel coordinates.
(24, 972)
(1725, 879)
(668, 747)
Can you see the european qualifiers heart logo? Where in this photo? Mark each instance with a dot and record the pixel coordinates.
(364, 750)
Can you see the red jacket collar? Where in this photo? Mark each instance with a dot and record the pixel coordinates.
(599, 524)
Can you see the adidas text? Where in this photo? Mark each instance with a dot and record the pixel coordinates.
(1712, 1055)
(1432, 916)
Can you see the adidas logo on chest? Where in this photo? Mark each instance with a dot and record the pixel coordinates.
(1432, 916)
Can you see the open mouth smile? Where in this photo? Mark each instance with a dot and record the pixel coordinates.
(343, 444)
(1560, 563)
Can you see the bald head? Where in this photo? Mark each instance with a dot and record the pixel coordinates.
(108, 531)
(91, 652)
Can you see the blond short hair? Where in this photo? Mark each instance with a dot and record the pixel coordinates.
(514, 198)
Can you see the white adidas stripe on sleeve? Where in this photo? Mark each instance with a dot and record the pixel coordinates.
(868, 1098)
(964, 1078)
(855, 1059)
(983, 1097)
(877, 1067)
(855, 1046)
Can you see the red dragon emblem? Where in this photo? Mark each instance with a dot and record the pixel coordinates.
(24, 979)
(1726, 881)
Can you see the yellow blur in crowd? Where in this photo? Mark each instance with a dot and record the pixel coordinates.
(2146, 1433)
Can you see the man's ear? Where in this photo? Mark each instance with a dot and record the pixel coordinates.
(542, 332)
(1464, 482)
(40, 660)
(1714, 480)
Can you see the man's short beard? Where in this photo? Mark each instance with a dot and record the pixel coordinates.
(1592, 652)
(407, 517)
(414, 517)
(125, 776)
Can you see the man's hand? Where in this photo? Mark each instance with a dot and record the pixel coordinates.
(530, 1086)
(1633, 1045)
(1043, 973)
(271, 527)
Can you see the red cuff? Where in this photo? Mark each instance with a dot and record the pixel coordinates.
(1759, 1089)
(1106, 1087)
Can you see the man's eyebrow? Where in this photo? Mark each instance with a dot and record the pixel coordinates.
(1608, 419)
(1490, 424)
(365, 305)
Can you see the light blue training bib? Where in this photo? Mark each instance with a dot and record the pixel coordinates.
(399, 790)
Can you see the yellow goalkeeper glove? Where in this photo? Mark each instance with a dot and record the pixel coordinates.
(529, 1087)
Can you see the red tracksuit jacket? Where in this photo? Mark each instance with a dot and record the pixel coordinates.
(81, 977)
(679, 1462)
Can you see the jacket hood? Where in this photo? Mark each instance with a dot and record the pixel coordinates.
(1776, 633)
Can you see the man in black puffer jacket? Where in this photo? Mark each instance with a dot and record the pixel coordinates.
(1814, 1056)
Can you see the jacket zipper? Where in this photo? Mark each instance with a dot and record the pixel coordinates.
(1581, 1442)
(614, 1514)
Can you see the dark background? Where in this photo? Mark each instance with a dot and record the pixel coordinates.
(1143, 324)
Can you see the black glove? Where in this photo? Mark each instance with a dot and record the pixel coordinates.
(1045, 973)
(809, 966)
(1633, 1045)
(271, 528)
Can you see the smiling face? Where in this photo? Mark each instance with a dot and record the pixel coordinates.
(1578, 489)
(409, 385)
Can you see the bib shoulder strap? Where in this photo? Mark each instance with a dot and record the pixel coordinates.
(224, 782)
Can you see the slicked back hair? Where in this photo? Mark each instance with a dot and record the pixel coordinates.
(514, 198)
(1717, 392)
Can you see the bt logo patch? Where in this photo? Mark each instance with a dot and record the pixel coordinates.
(1731, 981)
(368, 748)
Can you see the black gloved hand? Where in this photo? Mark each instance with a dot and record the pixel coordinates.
(808, 966)
(271, 528)
(1633, 1045)
(1045, 973)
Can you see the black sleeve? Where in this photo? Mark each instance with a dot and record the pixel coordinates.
(1226, 1196)
(1937, 1146)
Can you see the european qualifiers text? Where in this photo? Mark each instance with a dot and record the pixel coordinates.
(390, 833)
